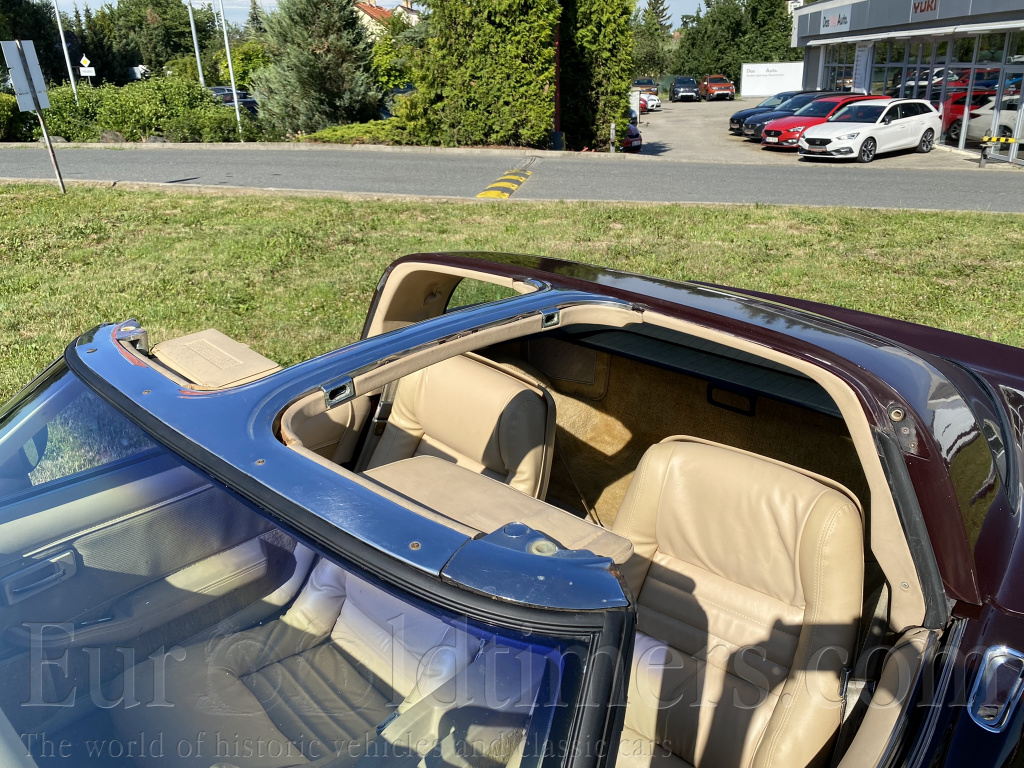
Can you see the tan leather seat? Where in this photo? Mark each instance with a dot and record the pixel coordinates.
(483, 418)
(748, 575)
(312, 686)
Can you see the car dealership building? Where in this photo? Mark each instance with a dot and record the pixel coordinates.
(965, 56)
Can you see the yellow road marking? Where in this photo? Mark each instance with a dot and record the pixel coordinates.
(503, 188)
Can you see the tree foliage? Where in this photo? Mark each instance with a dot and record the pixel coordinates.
(33, 20)
(651, 39)
(486, 74)
(247, 58)
(320, 70)
(597, 54)
(394, 50)
(730, 32)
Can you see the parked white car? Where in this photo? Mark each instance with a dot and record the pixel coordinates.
(653, 102)
(865, 129)
(980, 124)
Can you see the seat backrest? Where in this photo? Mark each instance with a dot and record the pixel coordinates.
(404, 648)
(476, 415)
(748, 575)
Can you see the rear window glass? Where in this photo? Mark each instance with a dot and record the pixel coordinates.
(470, 292)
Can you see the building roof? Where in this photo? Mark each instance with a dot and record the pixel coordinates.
(375, 12)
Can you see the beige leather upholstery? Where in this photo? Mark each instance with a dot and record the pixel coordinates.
(748, 575)
(485, 505)
(482, 418)
(312, 686)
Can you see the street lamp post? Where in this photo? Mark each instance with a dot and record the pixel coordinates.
(195, 44)
(231, 69)
(64, 46)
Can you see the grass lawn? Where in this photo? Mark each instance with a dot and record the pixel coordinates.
(292, 276)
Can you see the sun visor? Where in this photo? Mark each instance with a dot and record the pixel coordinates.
(211, 360)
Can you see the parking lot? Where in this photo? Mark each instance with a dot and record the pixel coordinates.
(698, 132)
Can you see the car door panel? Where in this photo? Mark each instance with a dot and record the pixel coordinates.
(127, 537)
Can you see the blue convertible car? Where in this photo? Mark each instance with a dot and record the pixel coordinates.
(542, 515)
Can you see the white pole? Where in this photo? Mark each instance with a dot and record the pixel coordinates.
(64, 45)
(231, 69)
(195, 44)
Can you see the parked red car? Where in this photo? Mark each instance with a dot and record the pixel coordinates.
(786, 131)
(953, 110)
(633, 142)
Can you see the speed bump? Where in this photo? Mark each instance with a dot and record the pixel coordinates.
(503, 188)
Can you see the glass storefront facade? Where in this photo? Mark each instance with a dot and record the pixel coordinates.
(973, 79)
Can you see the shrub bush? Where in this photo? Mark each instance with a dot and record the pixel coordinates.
(14, 124)
(373, 132)
(173, 107)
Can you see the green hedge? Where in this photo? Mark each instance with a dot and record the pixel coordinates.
(374, 132)
(486, 76)
(15, 125)
(174, 108)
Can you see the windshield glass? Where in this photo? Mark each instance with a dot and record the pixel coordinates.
(685, 81)
(140, 595)
(796, 102)
(644, 81)
(719, 80)
(773, 101)
(60, 431)
(818, 108)
(858, 113)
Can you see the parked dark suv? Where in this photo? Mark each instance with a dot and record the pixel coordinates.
(684, 88)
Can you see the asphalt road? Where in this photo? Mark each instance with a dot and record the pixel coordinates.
(886, 183)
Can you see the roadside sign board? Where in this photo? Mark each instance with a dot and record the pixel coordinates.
(30, 88)
(25, 81)
(87, 71)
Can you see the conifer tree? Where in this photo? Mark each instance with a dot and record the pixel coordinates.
(254, 24)
(320, 67)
